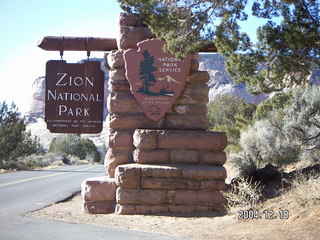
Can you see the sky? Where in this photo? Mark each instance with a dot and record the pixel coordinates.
(25, 22)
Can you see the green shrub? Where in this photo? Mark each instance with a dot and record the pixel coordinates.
(14, 140)
(288, 135)
(229, 113)
(278, 101)
(73, 144)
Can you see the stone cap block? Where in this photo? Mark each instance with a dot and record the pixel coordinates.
(129, 37)
(98, 189)
(127, 176)
(130, 19)
(187, 171)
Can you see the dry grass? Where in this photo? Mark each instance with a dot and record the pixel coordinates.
(306, 189)
(243, 195)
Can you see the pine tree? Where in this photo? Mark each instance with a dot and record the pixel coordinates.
(289, 48)
(146, 73)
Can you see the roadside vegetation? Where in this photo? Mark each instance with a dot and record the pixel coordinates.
(21, 151)
(272, 146)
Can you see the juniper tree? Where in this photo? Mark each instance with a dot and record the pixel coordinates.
(15, 141)
(289, 48)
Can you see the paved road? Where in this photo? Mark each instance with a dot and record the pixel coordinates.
(26, 191)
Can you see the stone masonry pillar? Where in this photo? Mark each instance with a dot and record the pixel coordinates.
(173, 165)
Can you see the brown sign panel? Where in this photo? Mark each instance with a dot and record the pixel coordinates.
(156, 78)
(74, 97)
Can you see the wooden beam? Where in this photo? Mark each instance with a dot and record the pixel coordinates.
(89, 43)
(209, 48)
(77, 44)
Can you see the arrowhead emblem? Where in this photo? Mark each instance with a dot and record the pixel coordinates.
(156, 78)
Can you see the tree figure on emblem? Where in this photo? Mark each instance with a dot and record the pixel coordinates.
(146, 73)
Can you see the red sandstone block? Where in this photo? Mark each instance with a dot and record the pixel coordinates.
(196, 89)
(198, 197)
(127, 176)
(194, 94)
(98, 207)
(204, 172)
(212, 158)
(127, 19)
(194, 65)
(125, 209)
(187, 209)
(145, 139)
(117, 73)
(169, 183)
(120, 139)
(151, 156)
(186, 121)
(115, 59)
(183, 156)
(130, 36)
(115, 157)
(195, 56)
(192, 140)
(159, 171)
(190, 109)
(210, 185)
(123, 102)
(151, 209)
(118, 85)
(98, 189)
(132, 121)
(140, 196)
(198, 77)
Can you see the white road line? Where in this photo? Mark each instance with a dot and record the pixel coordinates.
(34, 178)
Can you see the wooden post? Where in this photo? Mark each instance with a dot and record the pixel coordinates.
(90, 44)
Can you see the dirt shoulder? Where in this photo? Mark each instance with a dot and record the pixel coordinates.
(303, 221)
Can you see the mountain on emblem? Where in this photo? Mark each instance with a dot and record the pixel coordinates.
(148, 79)
(156, 78)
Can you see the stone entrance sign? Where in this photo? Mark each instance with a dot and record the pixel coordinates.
(156, 78)
(74, 97)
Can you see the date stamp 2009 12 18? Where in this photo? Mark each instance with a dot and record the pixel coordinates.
(266, 214)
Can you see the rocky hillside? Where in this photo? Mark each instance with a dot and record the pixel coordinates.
(219, 83)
